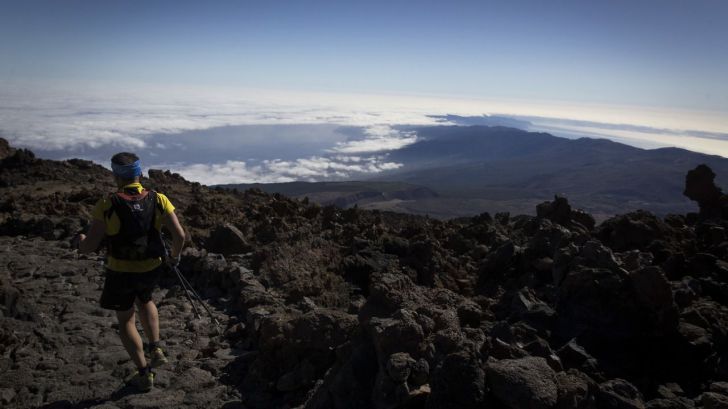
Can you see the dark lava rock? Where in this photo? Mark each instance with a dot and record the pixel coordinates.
(458, 383)
(619, 394)
(228, 239)
(631, 231)
(5, 149)
(608, 300)
(676, 403)
(560, 211)
(523, 383)
(712, 400)
(700, 187)
(575, 390)
(17, 159)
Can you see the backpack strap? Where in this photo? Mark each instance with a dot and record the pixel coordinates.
(153, 196)
(129, 197)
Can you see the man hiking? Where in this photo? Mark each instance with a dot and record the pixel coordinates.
(131, 220)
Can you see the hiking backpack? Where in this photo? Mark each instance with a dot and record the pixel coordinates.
(137, 239)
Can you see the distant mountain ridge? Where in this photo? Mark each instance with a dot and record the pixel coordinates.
(492, 166)
(474, 169)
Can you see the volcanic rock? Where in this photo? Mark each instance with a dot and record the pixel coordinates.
(228, 239)
(5, 149)
(700, 187)
(575, 390)
(459, 382)
(619, 394)
(523, 383)
(560, 211)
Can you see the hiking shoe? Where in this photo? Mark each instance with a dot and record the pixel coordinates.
(143, 382)
(158, 358)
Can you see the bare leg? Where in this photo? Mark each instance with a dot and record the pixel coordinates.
(130, 337)
(149, 317)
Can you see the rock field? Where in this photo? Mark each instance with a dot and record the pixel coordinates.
(327, 308)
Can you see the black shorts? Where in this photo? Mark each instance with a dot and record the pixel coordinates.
(121, 289)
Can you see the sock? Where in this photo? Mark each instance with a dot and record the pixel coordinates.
(153, 345)
(144, 371)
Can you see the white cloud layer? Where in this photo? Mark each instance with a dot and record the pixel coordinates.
(77, 118)
(378, 138)
(68, 116)
(310, 169)
(60, 118)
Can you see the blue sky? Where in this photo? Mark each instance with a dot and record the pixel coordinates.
(661, 53)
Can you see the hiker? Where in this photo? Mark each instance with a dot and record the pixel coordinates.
(131, 220)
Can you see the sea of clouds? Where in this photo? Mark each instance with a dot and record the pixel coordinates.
(220, 135)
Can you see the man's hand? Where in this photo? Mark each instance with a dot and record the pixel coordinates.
(96, 233)
(172, 261)
(76, 240)
(171, 222)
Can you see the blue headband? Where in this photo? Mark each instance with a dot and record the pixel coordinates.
(129, 171)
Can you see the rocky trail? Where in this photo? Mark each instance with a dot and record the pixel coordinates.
(67, 351)
(324, 308)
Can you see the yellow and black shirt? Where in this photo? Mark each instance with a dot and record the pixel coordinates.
(113, 225)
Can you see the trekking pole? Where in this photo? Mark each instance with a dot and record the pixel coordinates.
(187, 293)
(181, 278)
(197, 296)
(188, 288)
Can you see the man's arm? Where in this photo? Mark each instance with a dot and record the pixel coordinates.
(178, 234)
(91, 242)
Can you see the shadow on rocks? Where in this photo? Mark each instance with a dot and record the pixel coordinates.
(120, 393)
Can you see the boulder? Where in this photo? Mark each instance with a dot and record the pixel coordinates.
(654, 293)
(609, 301)
(5, 149)
(399, 366)
(619, 394)
(634, 231)
(458, 383)
(228, 239)
(700, 187)
(523, 383)
(401, 333)
(713, 400)
(573, 355)
(559, 211)
(574, 390)
(17, 158)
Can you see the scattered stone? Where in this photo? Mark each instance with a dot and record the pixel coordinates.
(7, 395)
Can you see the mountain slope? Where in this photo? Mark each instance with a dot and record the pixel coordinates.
(491, 166)
(343, 194)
